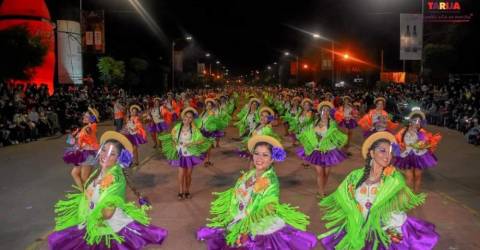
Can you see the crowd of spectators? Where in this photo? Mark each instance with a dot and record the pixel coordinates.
(28, 113)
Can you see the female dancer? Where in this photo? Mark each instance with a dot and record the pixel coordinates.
(368, 209)
(84, 146)
(377, 119)
(264, 127)
(291, 114)
(134, 130)
(185, 147)
(249, 215)
(346, 117)
(322, 142)
(248, 120)
(157, 123)
(417, 146)
(100, 217)
(211, 125)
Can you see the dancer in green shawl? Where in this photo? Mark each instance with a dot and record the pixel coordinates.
(368, 209)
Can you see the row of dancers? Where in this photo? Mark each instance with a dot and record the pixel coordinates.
(366, 211)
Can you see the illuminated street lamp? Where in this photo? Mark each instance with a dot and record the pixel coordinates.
(207, 55)
(346, 56)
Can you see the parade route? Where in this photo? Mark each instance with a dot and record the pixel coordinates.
(40, 178)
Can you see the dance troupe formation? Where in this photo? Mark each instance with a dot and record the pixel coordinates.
(368, 210)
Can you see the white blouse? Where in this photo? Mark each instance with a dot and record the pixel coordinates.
(365, 196)
(410, 139)
(157, 118)
(185, 137)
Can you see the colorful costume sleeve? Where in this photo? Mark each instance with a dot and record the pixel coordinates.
(75, 209)
(432, 140)
(213, 123)
(342, 211)
(366, 122)
(139, 127)
(265, 202)
(199, 144)
(242, 112)
(339, 115)
(168, 141)
(333, 138)
(308, 139)
(399, 138)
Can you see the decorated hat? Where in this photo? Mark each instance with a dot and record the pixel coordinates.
(157, 98)
(263, 138)
(135, 106)
(189, 109)
(267, 109)
(346, 98)
(253, 99)
(379, 99)
(95, 113)
(306, 100)
(213, 101)
(325, 103)
(375, 137)
(417, 112)
(297, 99)
(113, 135)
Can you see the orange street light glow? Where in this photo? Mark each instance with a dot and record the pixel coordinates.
(305, 66)
(346, 56)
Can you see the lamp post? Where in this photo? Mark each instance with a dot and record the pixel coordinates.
(286, 53)
(187, 38)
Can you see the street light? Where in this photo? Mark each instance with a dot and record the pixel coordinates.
(296, 57)
(286, 53)
(187, 38)
(207, 55)
(346, 56)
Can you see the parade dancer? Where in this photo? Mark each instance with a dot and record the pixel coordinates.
(290, 114)
(134, 130)
(322, 142)
(211, 125)
(250, 216)
(368, 209)
(249, 118)
(84, 146)
(157, 124)
(185, 148)
(100, 217)
(377, 120)
(417, 146)
(302, 121)
(346, 116)
(264, 127)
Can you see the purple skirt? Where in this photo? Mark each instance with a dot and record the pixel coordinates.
(214, 134)
(285, 238)
(157, 127)
(327, 159)
(136, 139)
(416, 233)
(79, 157)
(350, 124)
(136, 236)
(412, 160)
(187, 161)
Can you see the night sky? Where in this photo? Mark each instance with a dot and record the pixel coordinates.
(247, 35)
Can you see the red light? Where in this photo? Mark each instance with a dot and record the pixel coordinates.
(305, 66)
(346, 56)
(204, 72)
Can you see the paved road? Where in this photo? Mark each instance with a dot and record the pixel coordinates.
(29, 191)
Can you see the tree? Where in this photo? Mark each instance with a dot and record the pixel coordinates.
(20, 52)
(137, 68)
(110, 69)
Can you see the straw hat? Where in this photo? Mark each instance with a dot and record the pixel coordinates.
(379, 99)
(306, 100)
(417, 112)
(325, 103)
(135, 106)
(113, 135)
(254, 100)
(375, 137)
(189, 109)
(213, 101)
(266, 109)
(263, 138)
(95, 113)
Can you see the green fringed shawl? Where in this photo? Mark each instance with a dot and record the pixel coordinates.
(200, 144)
(296, 126)
(334, 138)
(212, 122)
(261, 211)
(242, 124)
(342, 212)
(74, 210)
